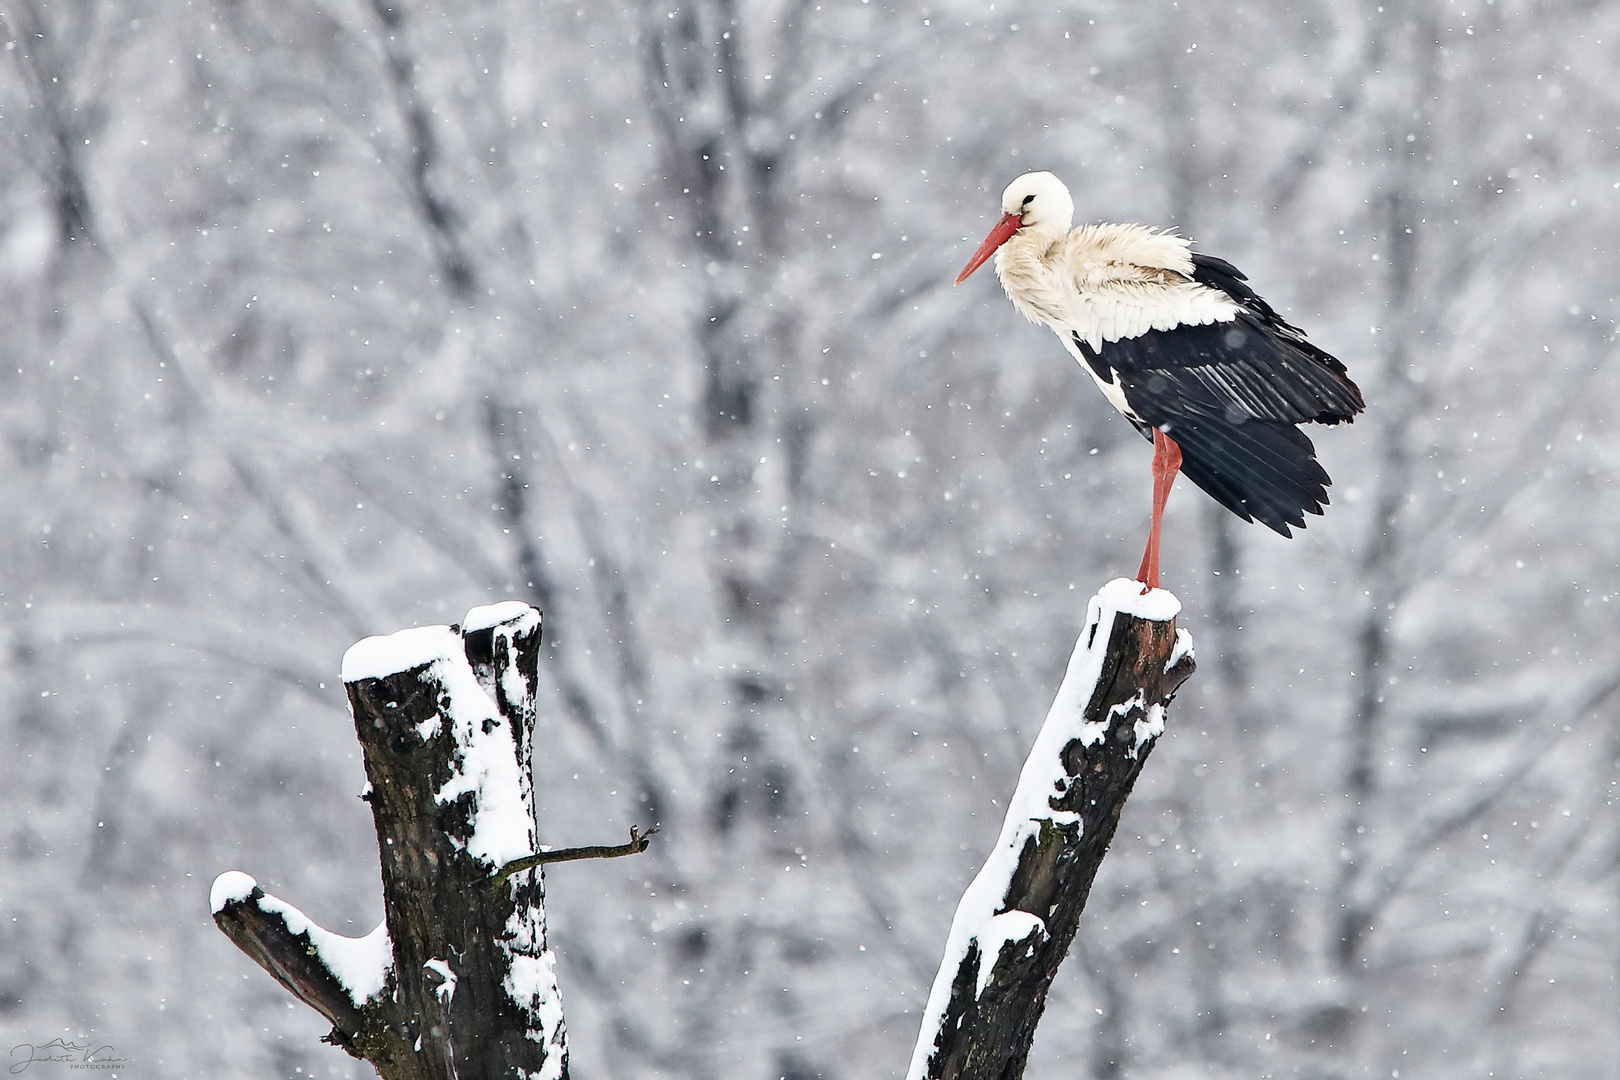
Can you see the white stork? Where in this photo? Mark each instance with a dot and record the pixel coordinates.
(1177, 342)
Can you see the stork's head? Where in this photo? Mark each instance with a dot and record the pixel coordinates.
(1035, 202)
(1041, 201)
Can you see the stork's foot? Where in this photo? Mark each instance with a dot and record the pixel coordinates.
(1166, 463)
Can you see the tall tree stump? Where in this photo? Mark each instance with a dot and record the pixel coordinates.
(1016, 921)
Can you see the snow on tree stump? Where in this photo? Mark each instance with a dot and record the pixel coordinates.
(457, 982)
(1016, 921)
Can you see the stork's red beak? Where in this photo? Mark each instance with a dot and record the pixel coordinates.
(1009, 224)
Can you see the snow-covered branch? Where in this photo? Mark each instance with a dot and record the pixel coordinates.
(334, 975)
(1016, 920)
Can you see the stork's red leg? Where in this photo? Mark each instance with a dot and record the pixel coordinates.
(1166, 463)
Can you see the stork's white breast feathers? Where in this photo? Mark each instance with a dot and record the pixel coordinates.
(1108, 282)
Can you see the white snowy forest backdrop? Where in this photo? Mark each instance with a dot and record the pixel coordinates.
(322, 318)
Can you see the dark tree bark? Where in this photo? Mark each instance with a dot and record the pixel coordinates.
(1021, 912)
(463, 986)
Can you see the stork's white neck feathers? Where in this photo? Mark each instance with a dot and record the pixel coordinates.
(1104, 282)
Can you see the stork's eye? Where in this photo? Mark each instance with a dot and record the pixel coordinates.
(1028, 199)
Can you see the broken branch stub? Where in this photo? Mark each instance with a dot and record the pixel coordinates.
(638, 843)
(1016, 920)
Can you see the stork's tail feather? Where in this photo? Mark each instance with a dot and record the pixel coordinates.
(1261, 470)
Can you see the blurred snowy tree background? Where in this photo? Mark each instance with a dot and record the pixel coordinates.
(322, 318)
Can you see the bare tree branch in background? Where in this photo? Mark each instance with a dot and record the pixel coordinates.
(1403, 398)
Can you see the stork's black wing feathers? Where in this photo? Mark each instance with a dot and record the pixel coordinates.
(1245, 366)
(1261, 470)
(1230, 395)
(1222, 275)
(1219, 274)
